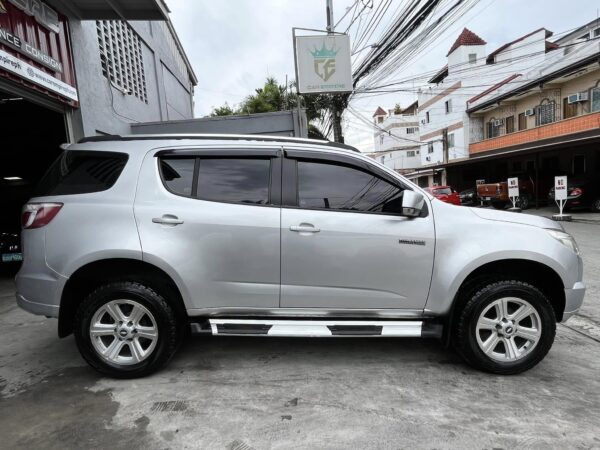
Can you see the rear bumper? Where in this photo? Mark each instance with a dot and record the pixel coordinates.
(573, 299)
(39, 293)
(41, 309)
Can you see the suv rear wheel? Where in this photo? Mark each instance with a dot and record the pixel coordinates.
(126, 330)
(505, 327)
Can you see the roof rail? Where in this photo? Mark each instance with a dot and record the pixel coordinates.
(232, 137)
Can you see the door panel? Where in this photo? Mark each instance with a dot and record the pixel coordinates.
(344, 244)
(225, 254)
(355, 261)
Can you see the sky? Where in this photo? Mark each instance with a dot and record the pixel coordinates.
(234, 45)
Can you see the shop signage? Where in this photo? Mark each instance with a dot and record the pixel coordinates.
(18, 44)
(19, 67)
(323, 63)
(42, 13)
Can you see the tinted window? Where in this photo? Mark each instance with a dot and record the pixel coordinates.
(80, 172)
(178, 174)
(329, 186)
(234, 180)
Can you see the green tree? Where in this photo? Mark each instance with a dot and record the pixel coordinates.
(224, 110)
(275, 97)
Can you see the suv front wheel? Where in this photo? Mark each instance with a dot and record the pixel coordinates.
(126, 330)
(505, 327)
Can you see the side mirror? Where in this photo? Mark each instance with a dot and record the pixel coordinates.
(412, 203)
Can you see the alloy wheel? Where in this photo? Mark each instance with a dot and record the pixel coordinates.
(123, 332)
(508, 329)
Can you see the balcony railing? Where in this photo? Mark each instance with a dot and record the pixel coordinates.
(562, 127)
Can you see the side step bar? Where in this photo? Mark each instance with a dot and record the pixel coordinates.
(317, 328)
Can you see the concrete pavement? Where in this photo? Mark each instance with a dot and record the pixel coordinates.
(242, 393)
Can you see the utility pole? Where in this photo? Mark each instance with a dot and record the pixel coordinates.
(336, 107)
(444, 179)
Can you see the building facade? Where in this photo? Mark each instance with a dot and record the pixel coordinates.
(396, 138)
(445, 126)
(79, 68)
(545, 124)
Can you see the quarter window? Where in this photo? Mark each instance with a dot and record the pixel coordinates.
(234, 180)
(81, 172)
(178, 174)
(342, 188)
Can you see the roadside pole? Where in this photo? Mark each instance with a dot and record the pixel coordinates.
(335, 111)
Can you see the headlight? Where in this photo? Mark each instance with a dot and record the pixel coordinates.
(565, 239)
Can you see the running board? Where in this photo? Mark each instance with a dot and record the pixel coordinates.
(314, 328)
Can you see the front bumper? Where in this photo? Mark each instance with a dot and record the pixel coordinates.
(573, 299)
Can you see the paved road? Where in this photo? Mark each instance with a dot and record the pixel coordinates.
(242, 393)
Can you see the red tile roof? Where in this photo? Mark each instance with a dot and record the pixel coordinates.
(467, 37)
(494, 87)
(380, 112)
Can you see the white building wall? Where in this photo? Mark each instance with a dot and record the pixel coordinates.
(393, 132)
(463, 82)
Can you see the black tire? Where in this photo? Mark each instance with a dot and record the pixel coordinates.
(168, 337)
(499, 205)
(465, 339)
(524, 202)
(596, 205)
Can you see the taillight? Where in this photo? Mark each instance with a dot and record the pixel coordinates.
(37, 215)
(576, 192)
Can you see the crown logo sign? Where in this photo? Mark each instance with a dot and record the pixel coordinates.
(324, 52)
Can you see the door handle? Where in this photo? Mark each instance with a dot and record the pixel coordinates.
(304, 228)
(167, 219)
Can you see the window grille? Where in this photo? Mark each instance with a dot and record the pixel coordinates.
(121, 57)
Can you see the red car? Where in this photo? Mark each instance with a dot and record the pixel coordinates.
(445, 194)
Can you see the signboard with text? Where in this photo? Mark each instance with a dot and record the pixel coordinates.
(560, 188)
(513, 187)
(35, 48)
(323, 64)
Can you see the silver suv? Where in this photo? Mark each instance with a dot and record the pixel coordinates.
(133, 241)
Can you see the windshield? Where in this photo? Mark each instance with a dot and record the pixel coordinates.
(443, 191)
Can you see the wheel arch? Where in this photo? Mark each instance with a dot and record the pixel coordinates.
(89, 276)
(538, 274)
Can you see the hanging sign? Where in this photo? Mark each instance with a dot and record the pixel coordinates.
(323, 63)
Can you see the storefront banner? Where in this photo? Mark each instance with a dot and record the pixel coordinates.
(19, 67)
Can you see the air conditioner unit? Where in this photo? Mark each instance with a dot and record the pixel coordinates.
(498, 122)
(530, 112)
(579, 97)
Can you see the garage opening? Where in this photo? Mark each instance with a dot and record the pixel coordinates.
(31, 136)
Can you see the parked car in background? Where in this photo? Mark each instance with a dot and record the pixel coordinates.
(496, 194)
(445, 194)
(132, 241)
(468, 197)
(10, 251)
(581, 193)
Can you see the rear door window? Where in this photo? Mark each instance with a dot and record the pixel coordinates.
(234, 180)
(81, 172)
(228, 180)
